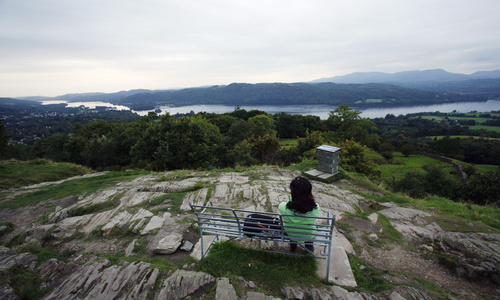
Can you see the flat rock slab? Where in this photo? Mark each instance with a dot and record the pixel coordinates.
(225, 290)
(169, 244)
(183, 283)
(340, 268)
(154, 223)
(319, 174)
(207, 239)
(404, 213)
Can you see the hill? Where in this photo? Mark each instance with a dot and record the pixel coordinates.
(292, 94)
(101, 231)
(409, 87)
(439, 81)
(436, 75)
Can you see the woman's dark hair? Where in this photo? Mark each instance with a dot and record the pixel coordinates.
(302, 198)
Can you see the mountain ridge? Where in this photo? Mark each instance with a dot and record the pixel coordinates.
(433, 75)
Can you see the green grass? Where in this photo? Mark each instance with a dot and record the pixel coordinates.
(72, 188)
(268, 270)
(369, 101)
(477, 119)
(451, 215)
(462, 137)
(368, 278)
(15, 173)
(404, 164)
(488, 128)
(304, 165)
(388, 232)
(487, 168)
(469, 117)
(95, 208)
(289, 142)
(25, 282)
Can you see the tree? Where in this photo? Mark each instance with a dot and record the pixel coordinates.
(386, 149)
(347, 124)
(193, 143)
(353, 157)
(407, 149)
(311, 141)
(264, 125)
(265, 148)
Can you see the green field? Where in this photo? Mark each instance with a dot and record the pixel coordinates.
(407, 164)
(462, 137)
(470, 116)
(369, 101)
(489, 128)
(15, 173)
(487, 168)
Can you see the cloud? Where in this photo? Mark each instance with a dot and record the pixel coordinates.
(53, 47)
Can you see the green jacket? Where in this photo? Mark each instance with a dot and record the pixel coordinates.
(296, 225)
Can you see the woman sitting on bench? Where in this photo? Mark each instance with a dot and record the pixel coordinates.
(301, 203)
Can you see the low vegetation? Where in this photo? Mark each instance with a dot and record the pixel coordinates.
(271, 271)
(69, 188)
(14, 173)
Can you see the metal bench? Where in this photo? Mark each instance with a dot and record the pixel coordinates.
(228, 222)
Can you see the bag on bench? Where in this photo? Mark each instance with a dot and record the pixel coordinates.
(261, 225)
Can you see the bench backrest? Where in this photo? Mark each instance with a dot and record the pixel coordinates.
(235, 224)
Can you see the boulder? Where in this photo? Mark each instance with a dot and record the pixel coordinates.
(183, 283)
(225, 290)
(169, 244)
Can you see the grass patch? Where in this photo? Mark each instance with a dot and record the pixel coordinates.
(487, 168)
(369, 101)
(484, 215)
(474, 218)
(95, 208)
(389, 233)
(462, 137)
(14, 173)
(406, 164)
(269, 270)
(487, 128)
(304, 165)
(44, 254)
(24, 281)
(368, 278)
(288, 143)
(6, 227)
(68, 188)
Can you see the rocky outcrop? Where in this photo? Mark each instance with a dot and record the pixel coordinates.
(184, 283)
(472, 255)
(161, 231)
(101, 280)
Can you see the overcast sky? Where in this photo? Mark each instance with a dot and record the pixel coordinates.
(53, 47)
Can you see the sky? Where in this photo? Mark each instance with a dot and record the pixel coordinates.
(54, 47)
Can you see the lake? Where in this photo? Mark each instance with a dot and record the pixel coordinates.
(314, 110)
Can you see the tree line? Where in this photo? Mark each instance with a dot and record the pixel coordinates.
(245, 138)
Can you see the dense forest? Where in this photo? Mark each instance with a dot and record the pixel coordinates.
(293, 93)
(115, 140)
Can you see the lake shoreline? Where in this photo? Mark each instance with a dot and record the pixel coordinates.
(321, 110)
